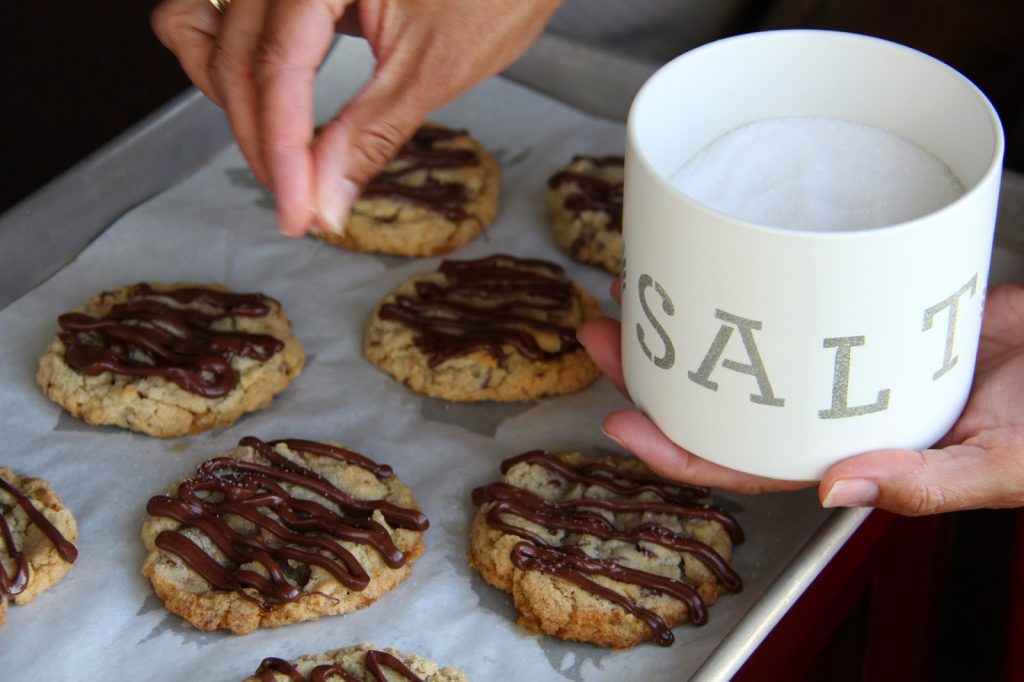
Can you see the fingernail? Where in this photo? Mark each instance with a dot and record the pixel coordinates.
(316, 223)
(292, 233)
(851, 492)
(615, 439)
(335, 206)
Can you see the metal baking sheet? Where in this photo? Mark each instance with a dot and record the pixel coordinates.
(103, 618)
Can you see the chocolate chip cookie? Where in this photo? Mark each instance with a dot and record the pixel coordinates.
(435, 196)
(277, 532)
(585, 210)
(601, 551)
(361, 662)
(36, 536)
(170, 360)
(499, 328)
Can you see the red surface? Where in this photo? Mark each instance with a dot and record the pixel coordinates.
(881, 590)
(1015, 625)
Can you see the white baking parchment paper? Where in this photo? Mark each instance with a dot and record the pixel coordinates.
(103, 621)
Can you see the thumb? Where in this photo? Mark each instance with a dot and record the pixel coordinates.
(357, 144)
(916, 483)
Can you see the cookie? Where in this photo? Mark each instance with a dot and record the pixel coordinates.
(355, 663)
(170, 360)
(585, 210)
(498, 328)
(36, 536)
(601, 551)
(435, 196)
(274, 533)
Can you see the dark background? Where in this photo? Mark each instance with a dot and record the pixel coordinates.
(73, 75)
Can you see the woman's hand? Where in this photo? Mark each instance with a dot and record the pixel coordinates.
(980, 463)
(259, 59)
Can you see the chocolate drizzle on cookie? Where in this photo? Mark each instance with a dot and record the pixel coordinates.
(374, 662)
(582, 516)
(485, 304)
(148, 337)
(11, 585)
(421, 154)
(290, 532)
(592, 192)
